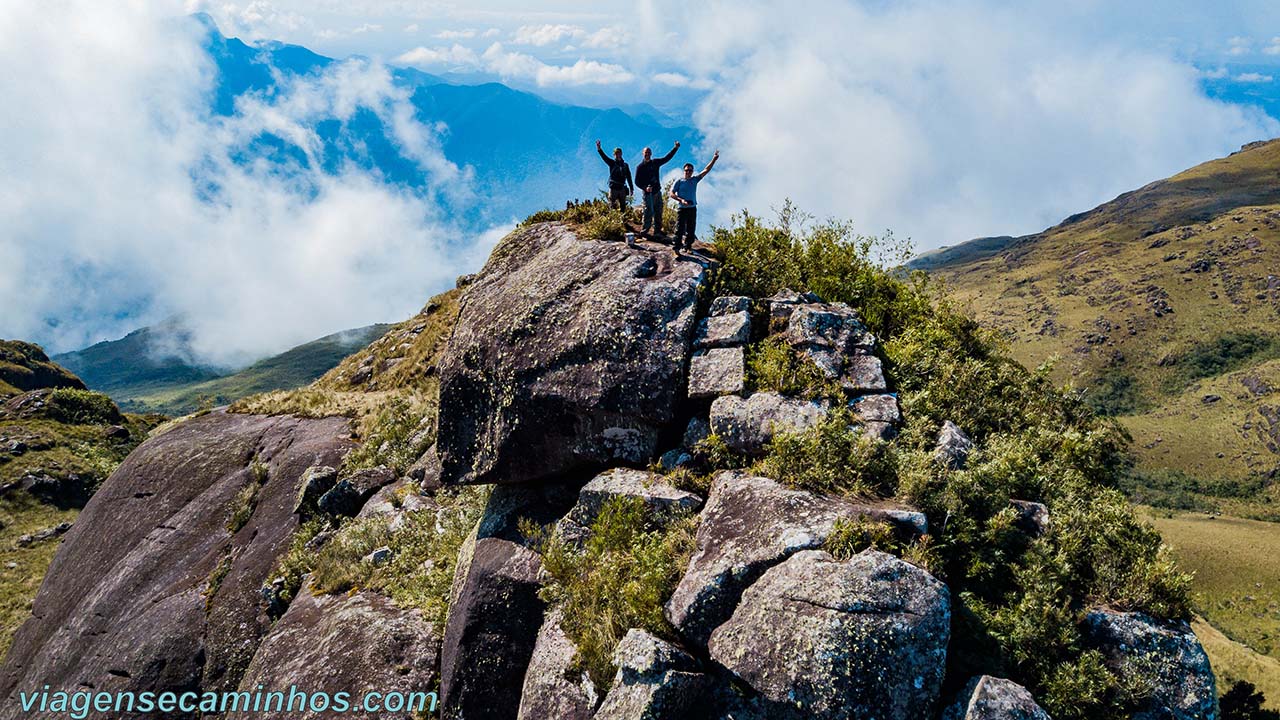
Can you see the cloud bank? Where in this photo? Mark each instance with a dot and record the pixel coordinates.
(124, 205)
(943, 122)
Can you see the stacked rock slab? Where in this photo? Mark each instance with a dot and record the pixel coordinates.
(718, 365)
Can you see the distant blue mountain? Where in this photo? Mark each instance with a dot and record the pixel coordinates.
(527, 153)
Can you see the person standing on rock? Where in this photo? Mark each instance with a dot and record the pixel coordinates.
(649, 180)
(685, 192)
(620, 186)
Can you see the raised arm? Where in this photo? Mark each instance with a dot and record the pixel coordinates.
(710, 165)
(666, 158)
(603, 157)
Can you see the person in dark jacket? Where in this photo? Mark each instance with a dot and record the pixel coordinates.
(620, 186)
(685, 192)
(649, 180)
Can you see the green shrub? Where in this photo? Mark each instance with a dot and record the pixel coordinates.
(618, 580)
(772, 364)
(1227, 352)
(1116, 393)
(81, 407)
(594, 219)
(833, 457)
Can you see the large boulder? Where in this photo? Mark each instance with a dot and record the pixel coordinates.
(552, 689)
(568, 354)
(157, 585)
(747, 425)
(821, 638)
(492, 629)
(750, 524)
(1161, 655)
(350, 643)
(992, 698)
(655, 681)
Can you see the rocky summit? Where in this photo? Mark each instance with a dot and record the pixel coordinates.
(593, 384)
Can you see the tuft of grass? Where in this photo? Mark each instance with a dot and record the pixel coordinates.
(593, 219)
(246, 500)
(834, 457)
(395, 437)
(424, 554)
(772, 364)
(619, 579)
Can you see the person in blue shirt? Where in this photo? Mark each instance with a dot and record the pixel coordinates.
(685, 192)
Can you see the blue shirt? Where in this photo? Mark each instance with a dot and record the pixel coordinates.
(687, 188)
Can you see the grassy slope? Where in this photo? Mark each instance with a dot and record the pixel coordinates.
(1206, 243)
(293, 368)
(1237, 587)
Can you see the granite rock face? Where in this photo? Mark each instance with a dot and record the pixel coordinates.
(491, 633)
(750, 524)
(655, 681)
(355, 644)
(718, 371)
(552, 688)
(821, 638)
(130, 602)
(564, 358)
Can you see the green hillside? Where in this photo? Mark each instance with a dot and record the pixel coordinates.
(293, 368)
(1163, 305)
(147, 359)
(58, 441)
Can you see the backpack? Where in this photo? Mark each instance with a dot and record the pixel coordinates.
(618, 174)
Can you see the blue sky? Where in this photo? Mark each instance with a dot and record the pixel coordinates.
(940, 121)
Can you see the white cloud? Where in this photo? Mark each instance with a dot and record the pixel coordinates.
(1273, 47)
(491, 33)
(1239, 46)
(367, 28)
(680, 80)
(1253, 77)
(411, 28)
(607, 38)
(941, 122)
(254, 20)
(455, 34)
(455, 55)
(516, 65)
(1217, 73)
(543, 35)
(130, 207)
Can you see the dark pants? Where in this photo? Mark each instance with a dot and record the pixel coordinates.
(686, 226)
(618, 197)
(653, 211)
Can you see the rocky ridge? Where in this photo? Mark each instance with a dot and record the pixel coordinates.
(576, 369)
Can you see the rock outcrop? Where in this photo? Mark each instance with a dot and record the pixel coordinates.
(552, 688)
(749, 525)
(747, 425)
(346, 644)
(492, 629)
(655, 680)
(993, 698)
(820, 638)
(1163, 656)
(156, 587)
(567, 355)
